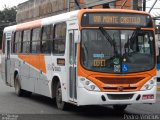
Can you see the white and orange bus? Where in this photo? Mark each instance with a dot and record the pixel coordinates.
(83, 57)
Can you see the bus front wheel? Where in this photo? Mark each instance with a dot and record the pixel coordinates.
(18, 90)
(60, 103)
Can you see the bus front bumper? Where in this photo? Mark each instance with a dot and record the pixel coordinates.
(86, 97)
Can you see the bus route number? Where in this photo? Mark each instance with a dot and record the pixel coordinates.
(99, 63)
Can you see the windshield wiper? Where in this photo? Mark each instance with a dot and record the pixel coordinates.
(109, 39)
(131, 40)
(134, 35)
(106, 35)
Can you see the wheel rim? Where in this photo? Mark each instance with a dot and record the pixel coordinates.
(17, 87)
(59, 96)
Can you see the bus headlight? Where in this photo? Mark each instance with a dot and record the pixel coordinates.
(87, 84)
(149, 85)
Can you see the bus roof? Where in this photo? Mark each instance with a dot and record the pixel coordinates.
(42, 22)
(61, 18)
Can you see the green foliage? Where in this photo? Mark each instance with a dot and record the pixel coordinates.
(7, 18)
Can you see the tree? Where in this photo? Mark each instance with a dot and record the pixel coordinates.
(7, 18)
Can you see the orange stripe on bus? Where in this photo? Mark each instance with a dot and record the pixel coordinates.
(29, 25)
(37, 61)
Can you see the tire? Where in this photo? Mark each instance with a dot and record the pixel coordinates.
(27, 93)
(19, 92)
(60, 104)
(120, 107)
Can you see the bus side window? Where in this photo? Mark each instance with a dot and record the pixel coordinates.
(71, 51)
(47, 37)
(17, 43)
(26, 41)
(59, 38)
(35, 44)
(13, 42)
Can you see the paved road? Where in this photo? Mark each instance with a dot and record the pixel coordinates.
(44, 108)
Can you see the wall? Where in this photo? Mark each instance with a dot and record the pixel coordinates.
(128, 4)
(34, 9)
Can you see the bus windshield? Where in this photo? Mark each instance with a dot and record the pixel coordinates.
(117, 51)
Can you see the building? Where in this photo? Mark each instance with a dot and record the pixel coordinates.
(34, 9)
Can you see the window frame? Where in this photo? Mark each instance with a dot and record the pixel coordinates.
(17, 50)
(51, 40)
(31, 41)
(13, 43)
(54, 38)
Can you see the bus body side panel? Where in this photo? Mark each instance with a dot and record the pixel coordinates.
(44, 78)
(32, 76)
(60, 71)
(35, 79)
(7, 74)
(27, 79)
(3, 60)
(14, 67)
(3, 67)
(42, 81)
(7, 61)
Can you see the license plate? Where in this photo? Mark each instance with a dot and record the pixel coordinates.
(145, 97)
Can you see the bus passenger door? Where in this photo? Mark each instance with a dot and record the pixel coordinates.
(8, 38)
(73, 65)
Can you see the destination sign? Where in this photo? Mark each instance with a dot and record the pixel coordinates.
(116, 19)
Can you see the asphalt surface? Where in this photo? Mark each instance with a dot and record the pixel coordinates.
(38, 107)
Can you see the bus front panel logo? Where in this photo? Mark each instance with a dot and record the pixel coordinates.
(120, 88)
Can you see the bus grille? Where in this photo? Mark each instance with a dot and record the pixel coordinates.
(120, 80)
(120, 96)
(116, 89)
